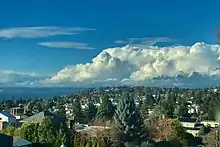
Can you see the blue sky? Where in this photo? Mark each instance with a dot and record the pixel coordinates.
(187, 22)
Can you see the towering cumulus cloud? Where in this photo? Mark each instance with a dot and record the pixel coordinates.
(184, 66)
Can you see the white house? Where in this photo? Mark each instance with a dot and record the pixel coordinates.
(7, 118)
(188, 122)
(191, 125)
(193, 131)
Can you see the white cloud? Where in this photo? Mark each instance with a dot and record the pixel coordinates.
(13, 78)
(121, 42)
(145, 41)
(38, 32)
(185, 66)
(74, 45)
(103, 67)
(195, 65)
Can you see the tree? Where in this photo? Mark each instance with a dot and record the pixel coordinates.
(182, 110)
(169, 129)
(61, 110)
(94, 143)
(47, 132)
(167, 108)
(76, 140)
(211, 139)
(144, 109)
(160, 128)
(48, 105)
(178, 133)
(106, 109)
(29, 108)
(204, 130)
(62, 136)
(29, 131)
(88, 144)
(90, 111)
(77, 111)
(150, 100)
(129, 122)
(10, 130)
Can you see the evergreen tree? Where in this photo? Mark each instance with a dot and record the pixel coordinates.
(150, 100)
(89, 144)
(167, 108)
(61, 110)
(94, 142)
(83, 143)
(129, 122)
(76, 142)
(144, 110)
(182, 110)
(90, 111)
(62, 135)
(106, 109)
(77, 111)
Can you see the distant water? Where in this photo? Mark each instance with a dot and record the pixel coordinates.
(26, 92)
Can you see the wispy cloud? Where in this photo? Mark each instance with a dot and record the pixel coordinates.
(13, 78)
(73, 45)
(121, 42)
(144, 41)
(39, 32)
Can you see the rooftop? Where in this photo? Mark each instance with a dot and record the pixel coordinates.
(39, 117)
(17, 108)
(211, 121)
(192, 128)
(187, 119)
(7, 114)
(21, 142)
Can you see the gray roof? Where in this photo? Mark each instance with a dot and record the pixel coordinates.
(7, 114)
(39, 117)
(20, 142)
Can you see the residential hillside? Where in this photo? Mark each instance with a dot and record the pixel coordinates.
(116, 116)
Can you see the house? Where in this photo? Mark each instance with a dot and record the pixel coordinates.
(193, 131)
(188, 122)
(150, 111)
(20, 142)
(39, 117)
(209, 123)
(6, 141)
(6, 119)
(17, 112)
(191, 125)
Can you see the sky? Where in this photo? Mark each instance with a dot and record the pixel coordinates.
(57, 41)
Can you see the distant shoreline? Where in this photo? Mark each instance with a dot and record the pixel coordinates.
(35, 92)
